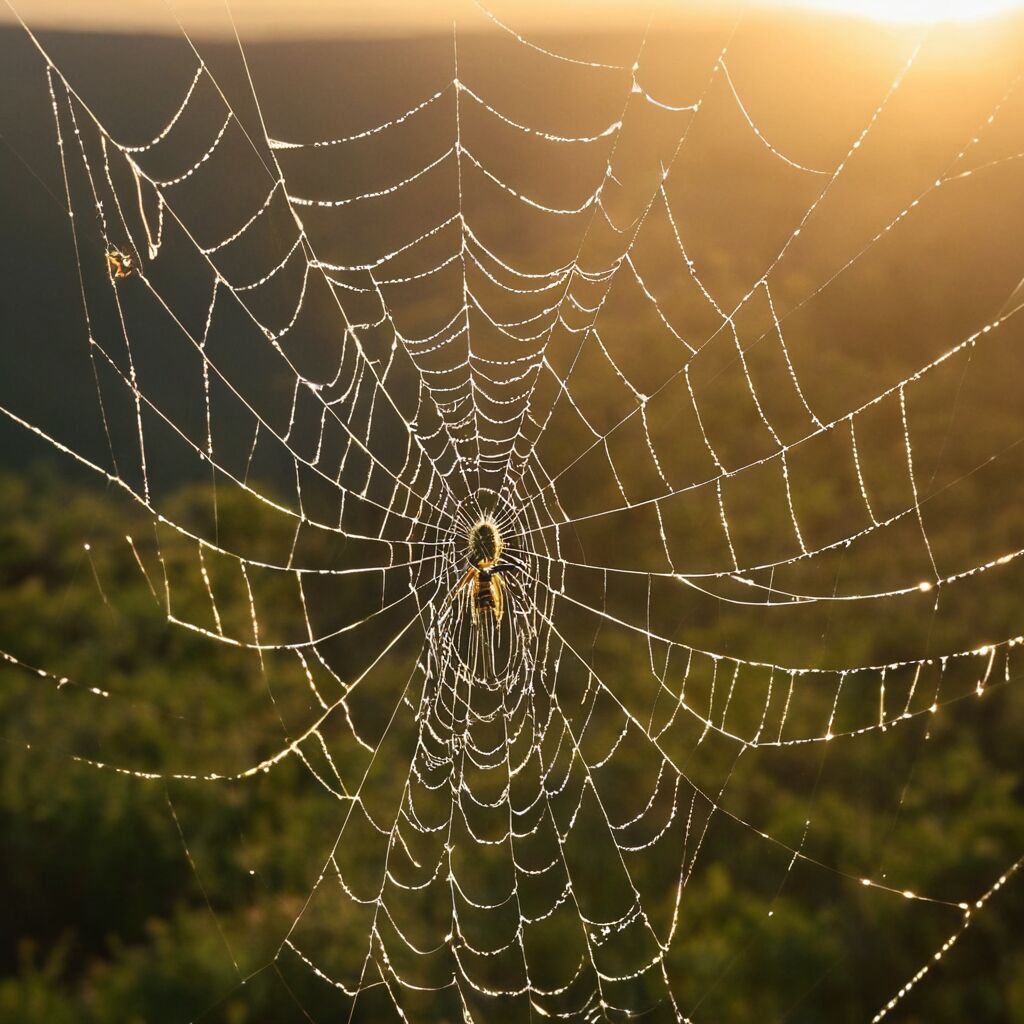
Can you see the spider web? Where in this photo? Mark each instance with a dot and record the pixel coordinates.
(508, 321)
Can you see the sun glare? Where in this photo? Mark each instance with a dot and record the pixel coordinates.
(908, 11)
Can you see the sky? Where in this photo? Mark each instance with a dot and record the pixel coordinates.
(305, 17)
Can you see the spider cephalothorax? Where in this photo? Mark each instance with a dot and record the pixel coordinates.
(483, 577)
(485, 543)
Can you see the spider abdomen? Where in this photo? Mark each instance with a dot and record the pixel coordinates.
(487, 596)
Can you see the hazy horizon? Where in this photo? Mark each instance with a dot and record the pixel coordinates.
(303, 18)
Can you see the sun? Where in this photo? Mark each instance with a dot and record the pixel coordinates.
(911, 11)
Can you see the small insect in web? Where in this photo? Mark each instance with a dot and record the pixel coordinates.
(483, 581)
(120, 264)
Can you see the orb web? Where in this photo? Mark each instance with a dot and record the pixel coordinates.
(499, 313)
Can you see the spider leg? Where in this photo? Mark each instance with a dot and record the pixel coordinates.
(467, 576)
(498, 594)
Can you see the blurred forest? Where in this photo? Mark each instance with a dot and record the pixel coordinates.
(165, 900)
(105, 919)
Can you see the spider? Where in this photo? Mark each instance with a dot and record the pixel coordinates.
(483, 577)
(119, 264)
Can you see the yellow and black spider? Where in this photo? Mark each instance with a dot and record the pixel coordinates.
(483, 577)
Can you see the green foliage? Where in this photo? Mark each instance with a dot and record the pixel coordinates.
(107, 919)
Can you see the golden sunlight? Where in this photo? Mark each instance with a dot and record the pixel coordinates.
(908, 11)
(389, 17)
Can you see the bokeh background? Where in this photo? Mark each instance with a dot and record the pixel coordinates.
(155, 900)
